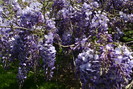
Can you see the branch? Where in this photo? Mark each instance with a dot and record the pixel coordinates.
(14, 27)
(129, 86)
(129, 42)
(65, 46)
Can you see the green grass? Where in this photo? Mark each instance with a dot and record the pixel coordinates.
(8, 80)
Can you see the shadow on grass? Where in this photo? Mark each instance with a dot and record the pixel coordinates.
(8, 81)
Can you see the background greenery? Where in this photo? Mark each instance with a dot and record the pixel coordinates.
(8, 81)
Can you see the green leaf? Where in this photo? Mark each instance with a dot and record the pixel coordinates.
(1, 2)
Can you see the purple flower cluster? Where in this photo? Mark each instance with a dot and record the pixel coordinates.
(48, 54)
(28, 51)
(30, 19)
(111, 65)
(24, 44)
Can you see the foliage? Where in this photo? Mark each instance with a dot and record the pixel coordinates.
(8, 81)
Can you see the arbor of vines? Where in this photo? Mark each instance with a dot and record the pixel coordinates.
(37, 33)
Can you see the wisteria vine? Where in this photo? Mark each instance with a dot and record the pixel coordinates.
(31, 31)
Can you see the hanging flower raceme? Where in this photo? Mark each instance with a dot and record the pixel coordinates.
(111, 65)
(48, 55)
